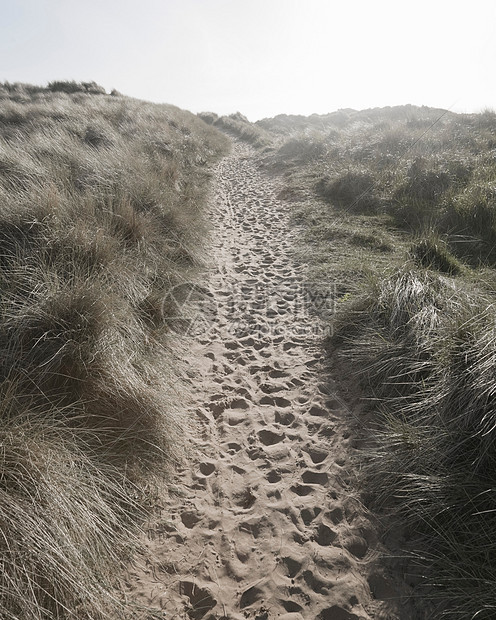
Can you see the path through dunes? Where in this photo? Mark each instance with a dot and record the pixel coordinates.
(265, 523)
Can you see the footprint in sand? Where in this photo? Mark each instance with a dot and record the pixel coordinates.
(269, 438)
(201, 600)
(315, 477)
(233, 419)
(278, 374)
(335, 516)
(309, 514)
(250, 596)
(276, 401)
(207, 469)
(337, 613)
(273, 476)
(190, 519)
(301, 490)
(239, 403)
(324, 536)
(270, 388)
(238, 470)
(244, 499)
(285, 418)
(318, 411)
(317, 455)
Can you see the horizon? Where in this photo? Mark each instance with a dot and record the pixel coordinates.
(273, 57)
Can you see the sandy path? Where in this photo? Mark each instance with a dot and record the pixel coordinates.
(264, 523)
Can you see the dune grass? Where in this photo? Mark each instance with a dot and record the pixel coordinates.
(239, 126)
(398, 207)
(101, 200)
(423, 350)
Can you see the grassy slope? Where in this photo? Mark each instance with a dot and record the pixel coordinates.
(399, 205)
(101, 203)
(239, 126)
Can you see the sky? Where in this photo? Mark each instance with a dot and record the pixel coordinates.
(260, 57)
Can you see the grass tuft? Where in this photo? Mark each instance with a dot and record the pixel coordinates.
(432, 252)
(353, 191)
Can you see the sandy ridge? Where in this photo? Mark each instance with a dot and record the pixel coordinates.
(265, 522)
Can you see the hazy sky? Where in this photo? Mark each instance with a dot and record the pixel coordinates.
(261, 57)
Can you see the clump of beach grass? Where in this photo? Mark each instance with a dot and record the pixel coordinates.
(424, 350)
(238, 125)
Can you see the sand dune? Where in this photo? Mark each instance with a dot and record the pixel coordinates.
(265, 521)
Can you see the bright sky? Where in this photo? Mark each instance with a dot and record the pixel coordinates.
(260, 57)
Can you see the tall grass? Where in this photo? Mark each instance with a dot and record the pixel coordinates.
(65, 517)
(101, 203)
(424, 351)
(238, 125)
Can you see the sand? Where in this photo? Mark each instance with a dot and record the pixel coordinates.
(265, 520)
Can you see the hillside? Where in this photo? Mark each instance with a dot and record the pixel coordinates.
(102, 200)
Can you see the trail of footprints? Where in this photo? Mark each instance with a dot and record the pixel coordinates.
(265, 524)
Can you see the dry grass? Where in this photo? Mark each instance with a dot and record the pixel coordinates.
(101, 203)
(238, 125)
(424, 351)
(66, 517)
